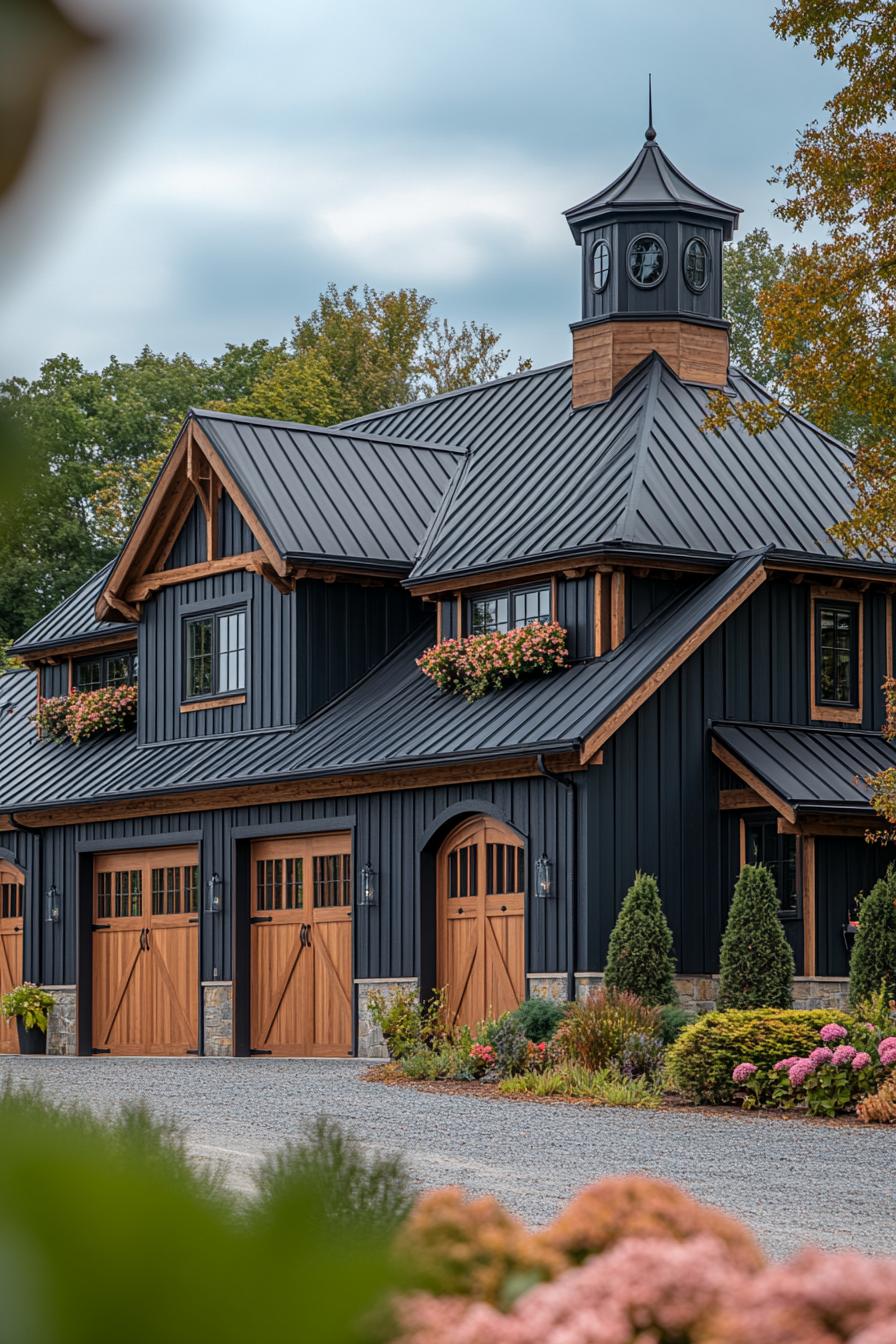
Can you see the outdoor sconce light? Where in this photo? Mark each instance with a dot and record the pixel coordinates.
(214, 895)
(367, 895)
(543, 884)
(54, 906)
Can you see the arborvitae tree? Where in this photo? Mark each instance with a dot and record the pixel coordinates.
(639, 957)
(756, 960)
(873, 959)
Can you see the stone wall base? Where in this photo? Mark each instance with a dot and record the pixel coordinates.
(698, 993)
(217, 1017)
(370, 1039)
(62, 1023)
(548, 985)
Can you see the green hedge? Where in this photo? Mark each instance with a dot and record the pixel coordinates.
(701, 1060)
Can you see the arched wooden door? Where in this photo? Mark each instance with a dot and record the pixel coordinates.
(480, 912)
(12, 893)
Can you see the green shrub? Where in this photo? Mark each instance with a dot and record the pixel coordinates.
(350, 1187)
(605, 1087)
(873, 960)
(673, 1020)
(595, 1029)
(509, 1042)
(407, 1022)
(539, 1018)
(639, 957)
(701, 1061)
(756, 961)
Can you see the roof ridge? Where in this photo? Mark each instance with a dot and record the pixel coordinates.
(642, 451)
(338, 430)
(459, 392)
(797, 728)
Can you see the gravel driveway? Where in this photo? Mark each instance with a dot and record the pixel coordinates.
(794, 1183)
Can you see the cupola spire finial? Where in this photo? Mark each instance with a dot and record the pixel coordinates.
(650, 133)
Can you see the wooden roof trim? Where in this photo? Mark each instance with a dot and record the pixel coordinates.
(150, 583)
(569, 566)
(75, 648)
(752, 780)
(688, 646)
(285, 791)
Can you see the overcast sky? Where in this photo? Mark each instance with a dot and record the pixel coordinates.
(236, 155)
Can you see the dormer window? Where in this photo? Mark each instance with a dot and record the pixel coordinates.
(510, 609)
(215, 654)
(696, 265)
(647, 260)
(600, 264)
(113, 669)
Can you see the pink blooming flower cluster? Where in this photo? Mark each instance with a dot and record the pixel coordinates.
(479, 663)
(844, 1054)
(741, 1073)
(83, 714)
(484, 1054)
(784, 1064)
(861, 1060)
(833, 1032)
(886, 1050)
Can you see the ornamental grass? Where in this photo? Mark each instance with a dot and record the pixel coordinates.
(479, 663)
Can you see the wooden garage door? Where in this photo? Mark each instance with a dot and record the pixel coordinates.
(12, 893)
(301, 953)
(480, 912)
(146, 952)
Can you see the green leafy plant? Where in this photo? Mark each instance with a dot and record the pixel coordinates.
(756, 960)
(639, 956)
(673, 1020)
(595, 1029)
(605, 1087)
(480, 663)
(509, 1041)
(351, 1186)
(873, 960)
(701, 1062)
(30, 1003)
(407, 1023)
(540, 1018)
(642, 1056)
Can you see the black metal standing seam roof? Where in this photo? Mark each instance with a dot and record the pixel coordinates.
(73, 619)
(334, 495)
(812, 769)
(635, 472)
(395, 717)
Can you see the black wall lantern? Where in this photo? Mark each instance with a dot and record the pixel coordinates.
(367, 894)
(214, 895)
(53, 906)
(544, 886)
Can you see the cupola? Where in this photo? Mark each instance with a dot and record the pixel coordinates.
(651, 248)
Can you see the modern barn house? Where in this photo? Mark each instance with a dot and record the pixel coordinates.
(301, 815)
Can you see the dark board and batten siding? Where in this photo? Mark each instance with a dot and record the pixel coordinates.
(234, 535)
(623, 298)
(843, 869)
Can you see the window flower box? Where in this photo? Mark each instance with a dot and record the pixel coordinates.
(479, 663)
(84, 714)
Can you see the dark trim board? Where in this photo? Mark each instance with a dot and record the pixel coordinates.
(164, 840)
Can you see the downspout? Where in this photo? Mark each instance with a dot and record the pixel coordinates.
(572, 884)
(20, 825)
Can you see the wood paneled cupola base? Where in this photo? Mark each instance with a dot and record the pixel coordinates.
(604, 352)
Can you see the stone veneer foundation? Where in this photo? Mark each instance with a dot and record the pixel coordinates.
(62, 1024)
(698, 993)
(217, 1017)
(370, 1039)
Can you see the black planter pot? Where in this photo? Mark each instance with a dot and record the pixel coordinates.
(32, 1041)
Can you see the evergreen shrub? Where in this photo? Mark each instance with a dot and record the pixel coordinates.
(639, 957)
(756, 960)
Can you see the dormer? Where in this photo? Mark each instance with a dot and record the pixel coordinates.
(651, 259)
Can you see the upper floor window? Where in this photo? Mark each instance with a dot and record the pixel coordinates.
(509, 610)
(647, 260)
(600, 264)
(111, 669)
(764, 845)
(836, 653)
(215, 654)
(696, 265)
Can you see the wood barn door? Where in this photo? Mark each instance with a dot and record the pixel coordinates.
(12, 894)
(146, 952)
(301, 946)
(480, 912)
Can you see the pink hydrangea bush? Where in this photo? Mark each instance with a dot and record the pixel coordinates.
(479, 663)
(826, 1081)
(84, 714)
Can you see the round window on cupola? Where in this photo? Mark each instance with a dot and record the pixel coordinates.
(696, 263)
(600, 264)
(647, 260)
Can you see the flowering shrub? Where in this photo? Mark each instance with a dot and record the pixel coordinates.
(482, 1055)
(83, 714)
(825, 1081)
(29, 1002)
(480, 663)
